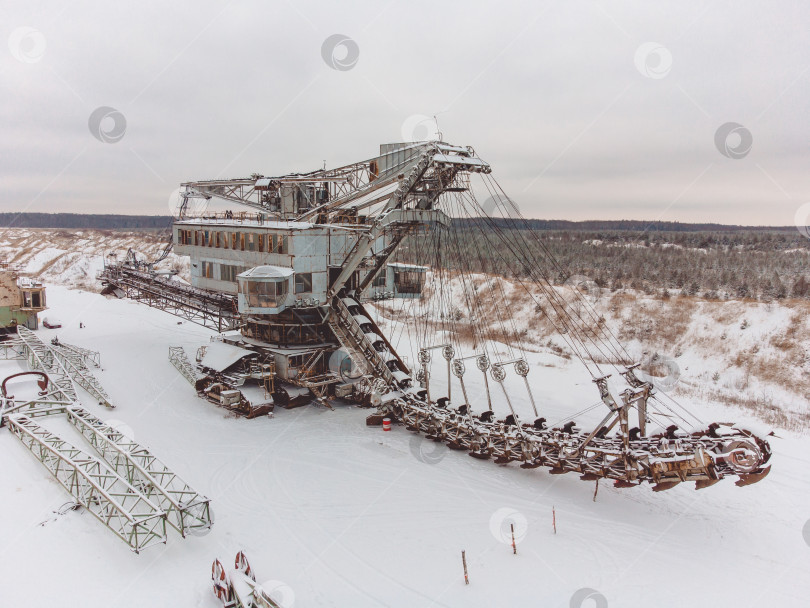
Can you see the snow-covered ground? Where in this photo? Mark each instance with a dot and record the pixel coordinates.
(348, 515)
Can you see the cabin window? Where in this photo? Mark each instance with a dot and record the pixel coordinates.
(251, 242)
(270, 244)
(226, 240)
(379, 280)
(265, 294)
(281, 244)
(35, 299)
(261, 243)
(208, 270)
(228, 272)
(303, 282)
(26, 299)
(242, 241)
(408, 282)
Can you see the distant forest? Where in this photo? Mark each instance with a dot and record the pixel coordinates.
(86, 221)
(719, 263)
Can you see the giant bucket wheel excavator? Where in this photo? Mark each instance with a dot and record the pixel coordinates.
(286, 281)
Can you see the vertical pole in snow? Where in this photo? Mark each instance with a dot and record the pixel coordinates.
(489, 398)
(596, 489)
(449, 386)
(514, 546)
(554, 519)
(464, 562)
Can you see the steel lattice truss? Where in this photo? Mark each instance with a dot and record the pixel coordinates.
(13, 348)
(129, 514)
(186, 509)
(41, 357)
(64, 367)
(178, 358)
(213, 310)
(85, 355)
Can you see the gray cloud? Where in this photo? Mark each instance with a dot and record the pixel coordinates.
(548, 93)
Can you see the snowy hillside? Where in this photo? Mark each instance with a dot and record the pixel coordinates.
(74, 257)
(745, 354)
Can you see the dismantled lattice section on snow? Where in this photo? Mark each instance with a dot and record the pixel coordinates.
(127, 512)
(179, 358)
(186, 509)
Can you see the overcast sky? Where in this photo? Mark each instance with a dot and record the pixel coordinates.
(585, 110)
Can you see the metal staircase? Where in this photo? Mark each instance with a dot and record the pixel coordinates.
(347, 327)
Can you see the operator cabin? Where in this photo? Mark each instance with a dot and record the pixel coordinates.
(281, 264)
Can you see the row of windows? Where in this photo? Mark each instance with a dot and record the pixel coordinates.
(227, 272)
(238, 241)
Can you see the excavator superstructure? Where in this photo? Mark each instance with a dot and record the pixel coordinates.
(287, 283)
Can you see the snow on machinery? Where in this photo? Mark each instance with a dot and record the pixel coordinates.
(237, 588)
(289, 279)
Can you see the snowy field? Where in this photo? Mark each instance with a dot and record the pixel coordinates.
(349, 516)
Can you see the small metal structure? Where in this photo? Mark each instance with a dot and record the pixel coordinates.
(21, 298)
(179, 358)
(237, 588)
(87, 356)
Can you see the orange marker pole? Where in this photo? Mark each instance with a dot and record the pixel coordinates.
(514, 546)
(464, 561)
